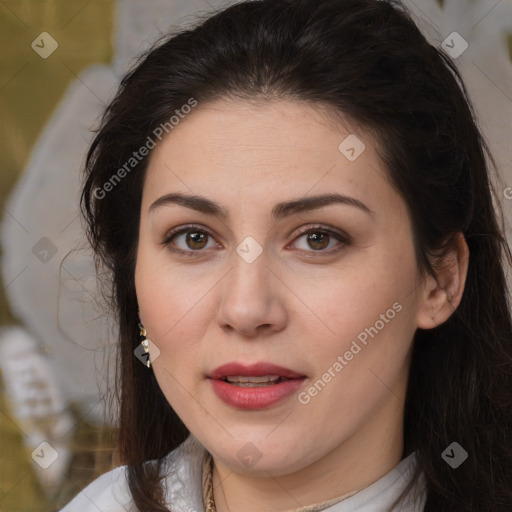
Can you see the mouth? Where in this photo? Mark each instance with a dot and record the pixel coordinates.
(254, 386)
(254, 375)
(254, 382)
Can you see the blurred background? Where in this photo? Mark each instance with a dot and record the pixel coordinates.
(60, 63)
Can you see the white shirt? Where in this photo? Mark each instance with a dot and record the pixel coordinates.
(183, 486)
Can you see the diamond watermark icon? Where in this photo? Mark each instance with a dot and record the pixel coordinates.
(352, 147)
(454, 455)
(249, 454)
(45, 455)
(249, 249)
(454, 45)
(44, 250)
(143, 356)
(44, 45)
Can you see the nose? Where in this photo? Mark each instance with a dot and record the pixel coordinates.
(252, 299)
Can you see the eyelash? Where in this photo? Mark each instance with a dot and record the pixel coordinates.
(341, 237)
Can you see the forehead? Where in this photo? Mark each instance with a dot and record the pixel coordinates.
(241, 149)
(274, 125)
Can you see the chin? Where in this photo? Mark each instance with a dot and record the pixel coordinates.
(255, 455)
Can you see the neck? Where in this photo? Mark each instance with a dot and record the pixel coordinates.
(356, 463)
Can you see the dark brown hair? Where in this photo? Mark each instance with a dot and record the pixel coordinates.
(367, 60)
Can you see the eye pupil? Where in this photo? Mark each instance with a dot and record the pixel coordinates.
(315, 238)
(194, 237)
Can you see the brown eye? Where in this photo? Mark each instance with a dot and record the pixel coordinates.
(318, 241)
(188, 241)
(196, 239)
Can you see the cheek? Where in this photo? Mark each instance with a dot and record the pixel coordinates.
(369, 312)
(161, 296)
(173, 309)
(356, 297)
(362, 366)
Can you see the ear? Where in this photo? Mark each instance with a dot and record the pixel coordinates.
(442, 293)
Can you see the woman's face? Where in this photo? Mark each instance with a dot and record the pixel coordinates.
(287, 246)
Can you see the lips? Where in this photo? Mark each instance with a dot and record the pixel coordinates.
(256, 386)
(263, 369)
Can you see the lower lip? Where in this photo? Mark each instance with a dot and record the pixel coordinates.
(255, 397)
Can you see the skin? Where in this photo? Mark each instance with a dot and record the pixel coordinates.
(298, 305)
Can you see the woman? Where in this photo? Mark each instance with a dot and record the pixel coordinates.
(294, 204)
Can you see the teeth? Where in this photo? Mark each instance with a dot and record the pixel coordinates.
(253, 384)
(253, 380)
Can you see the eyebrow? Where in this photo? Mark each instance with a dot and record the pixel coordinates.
(280, 210)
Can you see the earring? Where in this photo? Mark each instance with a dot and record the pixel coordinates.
(145, 343)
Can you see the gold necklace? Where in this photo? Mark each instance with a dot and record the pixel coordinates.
(208, 501)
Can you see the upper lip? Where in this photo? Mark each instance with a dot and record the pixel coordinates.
(252, 370)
